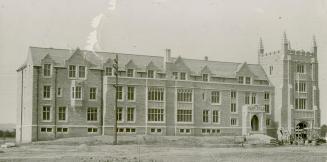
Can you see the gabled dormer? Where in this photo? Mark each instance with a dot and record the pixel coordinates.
(244, 74)
(179, 70)
(47, 65)
(130, 68)
(107, 65)
(77, 65)
(152, 70)
(205, 73)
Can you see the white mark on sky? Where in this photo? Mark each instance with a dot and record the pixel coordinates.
(92, 42)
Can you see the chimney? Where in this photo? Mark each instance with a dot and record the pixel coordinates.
(168, 55)
(167, 58)
(206, 58)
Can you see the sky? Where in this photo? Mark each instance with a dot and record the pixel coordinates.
(223, 30)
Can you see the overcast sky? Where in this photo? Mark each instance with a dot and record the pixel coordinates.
(224, 30)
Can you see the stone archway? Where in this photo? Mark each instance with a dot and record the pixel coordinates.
(255, 123)
(301, 129)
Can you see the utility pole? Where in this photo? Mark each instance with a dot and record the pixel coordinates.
(115, 66)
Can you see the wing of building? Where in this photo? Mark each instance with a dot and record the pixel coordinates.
(69, 93)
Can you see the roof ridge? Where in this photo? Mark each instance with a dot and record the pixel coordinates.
(83, 50)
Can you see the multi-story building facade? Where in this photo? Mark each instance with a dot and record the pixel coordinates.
(64, 93)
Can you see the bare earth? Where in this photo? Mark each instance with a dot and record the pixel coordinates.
(57, 151)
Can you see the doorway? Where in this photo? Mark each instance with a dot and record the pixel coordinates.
(255, 123)
(301, 130)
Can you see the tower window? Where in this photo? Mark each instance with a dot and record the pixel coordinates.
(271, 68)
(300, 68)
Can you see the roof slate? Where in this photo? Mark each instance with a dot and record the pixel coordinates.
(218, 68)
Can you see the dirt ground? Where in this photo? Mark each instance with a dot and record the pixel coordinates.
(58, 151)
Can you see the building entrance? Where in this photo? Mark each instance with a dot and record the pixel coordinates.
(255, 123)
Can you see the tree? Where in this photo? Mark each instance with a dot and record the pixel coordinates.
(323, 130)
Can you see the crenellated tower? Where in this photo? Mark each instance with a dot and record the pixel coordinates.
(294, 73)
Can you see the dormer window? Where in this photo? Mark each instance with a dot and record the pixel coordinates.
(248, 80)
(72, 71)
(47, 70)
(108, 71)
(205, 77)
(81, 71)
(150, 74)
(183, 76)
(240, 79)
(175, 75)
(130, 72)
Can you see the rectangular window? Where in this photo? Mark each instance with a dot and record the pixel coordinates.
(150, 74)
(93, 93)
(240, 79)
(300, 103)
(130, 114)
(215, 97)
(81, 71)
(76, 92)
(130, 130)
(72, 71)
(59, 92)
(47, 70)
(130, 72)
(46, 92)
(267, 110)
(233, 121)
(300, 86)
(215, 116)
(155, 114)
(184, 95)
(205, 116)
(254, 98)
(233, 107)
(271, 68)
(183, 76)
(300, 68)
(156, 94)
(43, 129)
(266, 96)
(92, 130)
(62, 130)
(49, 129)
(267, 122)
(119, 116)
(131, 93)
(205, 77)
(247, 98)
(46, 113)
(184, 115)
(108, 71)
(233, 94)
(92, 114)
(62, 113)
(248, 80)
(120, 93)
(175, 75)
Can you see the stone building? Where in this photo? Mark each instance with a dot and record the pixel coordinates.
(65, 93)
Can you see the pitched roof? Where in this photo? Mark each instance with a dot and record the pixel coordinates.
(217, 68)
